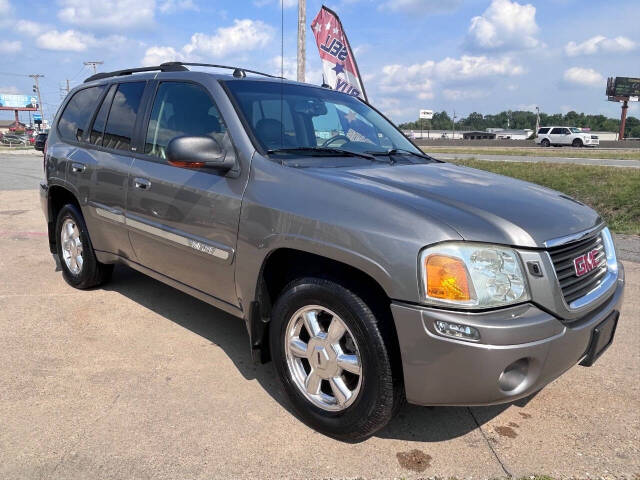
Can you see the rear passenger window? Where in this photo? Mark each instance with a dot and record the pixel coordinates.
(122, 116)
(181, 109)
(100, 122)
(77, 113)
(556, 131)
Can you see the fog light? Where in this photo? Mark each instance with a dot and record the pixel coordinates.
(456, 330)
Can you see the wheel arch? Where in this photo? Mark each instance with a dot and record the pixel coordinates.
(58, 197)
(283, 265)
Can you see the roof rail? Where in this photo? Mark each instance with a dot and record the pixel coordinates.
(238, 72)
(175, 67)
(165, 67)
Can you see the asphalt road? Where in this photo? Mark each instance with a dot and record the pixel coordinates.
(603, 162)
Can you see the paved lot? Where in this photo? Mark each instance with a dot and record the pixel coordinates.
(603, 162)
(138, 380)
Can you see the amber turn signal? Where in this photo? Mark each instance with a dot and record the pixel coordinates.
(447, 278)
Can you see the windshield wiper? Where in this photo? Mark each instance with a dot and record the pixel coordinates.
(323, 151)
(396, 151)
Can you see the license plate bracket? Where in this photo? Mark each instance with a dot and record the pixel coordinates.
(601, 339)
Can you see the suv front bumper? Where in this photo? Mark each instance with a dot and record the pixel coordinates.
(521, 349)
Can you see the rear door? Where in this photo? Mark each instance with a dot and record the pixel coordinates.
(556, 135)
(183, 222)
(110, 155)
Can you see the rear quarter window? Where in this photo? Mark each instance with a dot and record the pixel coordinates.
(76, 114)
(542, 131)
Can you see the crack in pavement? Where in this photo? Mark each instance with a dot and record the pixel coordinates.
(495, 454)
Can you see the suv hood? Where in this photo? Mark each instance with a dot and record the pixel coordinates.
(480, 206)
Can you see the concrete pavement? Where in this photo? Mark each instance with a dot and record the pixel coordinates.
(138, 380)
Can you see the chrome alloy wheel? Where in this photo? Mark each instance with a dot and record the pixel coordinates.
(323, 358)
(71, 246)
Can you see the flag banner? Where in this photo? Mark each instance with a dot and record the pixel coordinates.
(338, 63)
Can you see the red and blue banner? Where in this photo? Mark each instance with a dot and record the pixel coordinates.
(338, 63)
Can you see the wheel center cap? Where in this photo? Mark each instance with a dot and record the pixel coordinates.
(323, 358)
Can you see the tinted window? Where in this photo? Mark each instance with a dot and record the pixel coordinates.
(542, 131)
(122, 116)
(181, 109)
(556, 131)
(77, 113)
(99, 123)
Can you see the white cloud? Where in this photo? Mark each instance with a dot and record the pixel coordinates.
(600, 44)
(420, 6)
(5, 6)
(28, 27)
(158, 55)
(10, 90)
(114, 14)
(243, 35)
(505, 25)
(465, 94)
(74, 41)
(171, 6)
(584, 76)
(10, 46)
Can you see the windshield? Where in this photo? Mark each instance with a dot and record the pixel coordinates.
(576, 130)
(286, 117)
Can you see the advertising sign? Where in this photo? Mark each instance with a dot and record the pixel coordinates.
(426, 114)
(623, 87)
(18, 102)
(338, 63)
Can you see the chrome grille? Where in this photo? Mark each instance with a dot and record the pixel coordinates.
(574, 287)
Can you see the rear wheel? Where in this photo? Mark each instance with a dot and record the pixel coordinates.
(545, 142)
(333, 360)
(577, 143)
(80, 267)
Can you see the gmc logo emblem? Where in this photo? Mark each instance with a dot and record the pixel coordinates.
(585, 263)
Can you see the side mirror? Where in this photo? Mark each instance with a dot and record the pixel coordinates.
(198, 152)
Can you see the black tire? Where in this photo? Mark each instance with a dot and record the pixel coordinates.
(545, 142)
(577, 143)
(92, 272)
(381, 393)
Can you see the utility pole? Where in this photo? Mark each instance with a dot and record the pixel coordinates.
(68, 89)
(453, 123)
(93, 64)
(537, 121)
(35, 79)
(302, 33)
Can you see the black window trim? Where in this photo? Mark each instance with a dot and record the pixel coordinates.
(147, 117)
(95, 114)
(63, 108)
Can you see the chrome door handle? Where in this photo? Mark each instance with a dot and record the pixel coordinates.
(142, 183)
(78, 167)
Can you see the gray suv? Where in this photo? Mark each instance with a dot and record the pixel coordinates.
(369, 272)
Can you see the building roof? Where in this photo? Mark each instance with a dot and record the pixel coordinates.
(9, 123)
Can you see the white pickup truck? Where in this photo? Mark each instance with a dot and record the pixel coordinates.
(560, 136)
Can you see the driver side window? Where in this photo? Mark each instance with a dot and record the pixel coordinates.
(181, 109)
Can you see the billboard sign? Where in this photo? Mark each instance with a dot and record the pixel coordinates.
(18, 102)
(623, 87)
(426, 114)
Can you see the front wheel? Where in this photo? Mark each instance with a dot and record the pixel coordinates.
(577, 143)
(334, 359)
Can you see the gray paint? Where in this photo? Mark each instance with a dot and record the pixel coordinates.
(210, 234)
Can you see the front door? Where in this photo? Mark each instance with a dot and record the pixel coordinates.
(183, 222)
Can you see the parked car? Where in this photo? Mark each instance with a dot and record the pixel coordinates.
(560, 136)
(366, 270)
(41, 140)
(13, 139)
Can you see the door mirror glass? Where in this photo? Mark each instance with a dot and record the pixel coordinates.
(197, 152)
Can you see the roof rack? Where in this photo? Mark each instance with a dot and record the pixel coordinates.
(175, 67)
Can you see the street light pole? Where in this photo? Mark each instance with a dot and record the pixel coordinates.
(93, 64)
(302, 32)
(35, 79)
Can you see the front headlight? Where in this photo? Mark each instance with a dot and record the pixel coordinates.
(465, 275)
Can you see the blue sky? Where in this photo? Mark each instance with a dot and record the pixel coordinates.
(462, 55)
